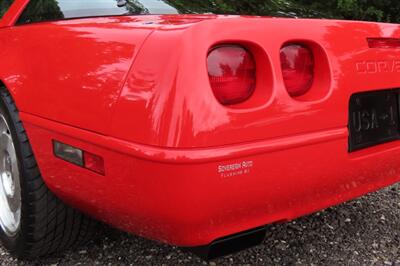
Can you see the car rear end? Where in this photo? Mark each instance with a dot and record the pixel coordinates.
(233, 123)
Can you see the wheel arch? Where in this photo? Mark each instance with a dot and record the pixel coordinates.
(6, 87)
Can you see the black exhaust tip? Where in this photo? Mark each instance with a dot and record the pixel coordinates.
(231, 244)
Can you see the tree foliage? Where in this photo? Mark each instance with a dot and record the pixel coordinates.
(372, 10)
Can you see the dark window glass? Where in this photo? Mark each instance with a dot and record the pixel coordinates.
(4, 6)
(43, 10)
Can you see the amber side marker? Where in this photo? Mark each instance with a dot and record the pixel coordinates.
(79, 157)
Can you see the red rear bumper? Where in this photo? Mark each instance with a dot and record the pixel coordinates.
(192, 197)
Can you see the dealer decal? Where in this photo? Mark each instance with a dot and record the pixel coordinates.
(235, 169)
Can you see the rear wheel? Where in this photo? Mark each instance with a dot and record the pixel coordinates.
(33, 221)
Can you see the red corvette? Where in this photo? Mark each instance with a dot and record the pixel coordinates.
(193, 130)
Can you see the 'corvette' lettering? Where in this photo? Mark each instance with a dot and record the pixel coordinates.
(374, 67)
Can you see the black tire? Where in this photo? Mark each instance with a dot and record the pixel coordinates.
(47, 225)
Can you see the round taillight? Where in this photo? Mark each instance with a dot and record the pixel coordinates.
(232, 74)
(297, 64)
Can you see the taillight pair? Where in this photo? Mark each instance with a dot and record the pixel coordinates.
(232, 72)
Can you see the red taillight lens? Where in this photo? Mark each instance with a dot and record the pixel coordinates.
(232, 73)
(297, 63)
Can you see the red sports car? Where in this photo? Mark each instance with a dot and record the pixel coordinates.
(194, 130)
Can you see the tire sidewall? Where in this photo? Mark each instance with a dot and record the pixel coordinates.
(13, 243)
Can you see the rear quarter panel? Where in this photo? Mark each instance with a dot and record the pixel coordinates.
(70, 71)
